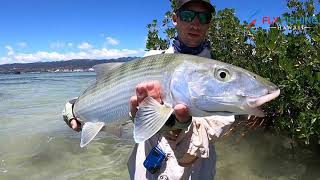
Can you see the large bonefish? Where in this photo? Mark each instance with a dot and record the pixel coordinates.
(207, 87)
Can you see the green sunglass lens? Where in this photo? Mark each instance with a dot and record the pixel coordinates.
(204, 18)
(187, 16)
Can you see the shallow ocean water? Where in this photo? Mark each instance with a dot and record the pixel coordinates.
(35, 143)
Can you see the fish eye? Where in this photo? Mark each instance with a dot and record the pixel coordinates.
(223, 75)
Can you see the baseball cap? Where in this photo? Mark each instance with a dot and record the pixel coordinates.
(180, 3)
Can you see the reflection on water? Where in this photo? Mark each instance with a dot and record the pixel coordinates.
(36, 144)
(261, 155)
(59, 156)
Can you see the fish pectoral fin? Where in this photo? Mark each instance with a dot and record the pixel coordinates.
(150, 118)
(89, 131)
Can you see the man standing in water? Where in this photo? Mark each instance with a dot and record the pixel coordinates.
(184, 140)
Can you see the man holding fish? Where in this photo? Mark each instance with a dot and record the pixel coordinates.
(177, 101)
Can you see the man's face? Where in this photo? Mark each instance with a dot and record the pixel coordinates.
(192, 33)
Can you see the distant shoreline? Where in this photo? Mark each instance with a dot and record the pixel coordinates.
(39, 72)
(74, 65)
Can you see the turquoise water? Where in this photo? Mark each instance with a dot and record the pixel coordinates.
(35, 143)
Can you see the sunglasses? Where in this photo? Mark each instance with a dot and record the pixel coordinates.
(189, 15)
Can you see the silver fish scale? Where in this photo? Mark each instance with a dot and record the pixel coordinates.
(108, 99)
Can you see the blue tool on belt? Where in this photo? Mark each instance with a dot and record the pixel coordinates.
(154, 160)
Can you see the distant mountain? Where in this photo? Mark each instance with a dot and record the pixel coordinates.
(58, 66)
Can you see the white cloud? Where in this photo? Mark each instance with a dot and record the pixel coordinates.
(57, 45)
(10, 50)
(70, 44)
(104, 53)
(84, 46)
(112, 41)
(22, 44)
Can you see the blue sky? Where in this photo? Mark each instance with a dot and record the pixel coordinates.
(47, 30)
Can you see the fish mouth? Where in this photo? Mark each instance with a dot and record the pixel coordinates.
(253, 104)
(258, 101)
(249, 105)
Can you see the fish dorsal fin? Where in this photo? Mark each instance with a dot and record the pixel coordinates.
(89, 131)
(105, 68)
(150, 118)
